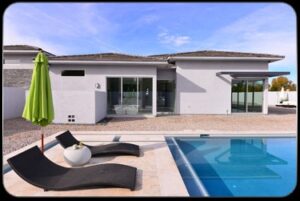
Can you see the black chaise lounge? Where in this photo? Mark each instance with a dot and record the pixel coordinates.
(66, 139)
(32, 166)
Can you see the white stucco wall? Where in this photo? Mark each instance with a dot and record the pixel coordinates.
(100, 105)
(13, 102)
(94, 75)
(200, 91)
(18, 61)
(273, 97)
(79, 103)
(166, 74)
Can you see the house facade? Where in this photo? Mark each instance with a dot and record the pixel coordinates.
(17, 67)
(88, 88)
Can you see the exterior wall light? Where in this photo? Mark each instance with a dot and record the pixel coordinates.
(98, 86)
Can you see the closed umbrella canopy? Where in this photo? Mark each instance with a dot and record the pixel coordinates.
(39, 105)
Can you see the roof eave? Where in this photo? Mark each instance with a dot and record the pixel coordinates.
(88, 62)
(26, 52)
(244, 74)
(21, 51)
(183, 58)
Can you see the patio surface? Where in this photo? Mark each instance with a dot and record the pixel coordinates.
(157, 172)
(19, 133)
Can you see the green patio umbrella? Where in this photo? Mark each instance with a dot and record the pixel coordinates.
(39, 106)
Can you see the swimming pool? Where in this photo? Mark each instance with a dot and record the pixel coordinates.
(236, 166)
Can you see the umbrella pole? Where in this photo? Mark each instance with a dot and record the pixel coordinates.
(42, 140)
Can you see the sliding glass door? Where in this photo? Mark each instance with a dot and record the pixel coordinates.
(129, 102)
(247, 95)
(255, 96)
(129, 96)
(238, 100)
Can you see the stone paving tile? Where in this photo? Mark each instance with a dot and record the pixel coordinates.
(152, 179)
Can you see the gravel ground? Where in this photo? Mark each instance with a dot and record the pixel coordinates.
(19, 133)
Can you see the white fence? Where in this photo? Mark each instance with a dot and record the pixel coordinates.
(13, 102)
(273, 97)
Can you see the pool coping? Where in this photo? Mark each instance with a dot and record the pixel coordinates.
(190, 169)
(50, 141)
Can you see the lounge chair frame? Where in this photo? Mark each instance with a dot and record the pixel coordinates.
(66, 139)
(35, 168)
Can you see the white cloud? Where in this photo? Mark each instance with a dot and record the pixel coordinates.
(148, 19)
(32, 25)
(173, 40)
(262, 31)
(271, 29)
(12, 37)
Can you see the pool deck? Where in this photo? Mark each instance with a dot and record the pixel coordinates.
(157, 171)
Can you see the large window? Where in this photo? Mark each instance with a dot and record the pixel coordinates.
(129, 96)
(247, 96)
(238, 98)
(255, 96)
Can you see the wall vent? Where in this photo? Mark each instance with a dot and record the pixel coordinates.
(71, 118)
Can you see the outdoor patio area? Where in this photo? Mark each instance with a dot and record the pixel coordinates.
(157, 174)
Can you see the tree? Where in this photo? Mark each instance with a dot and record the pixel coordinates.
(284, 82)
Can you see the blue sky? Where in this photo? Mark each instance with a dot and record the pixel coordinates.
(154, 28)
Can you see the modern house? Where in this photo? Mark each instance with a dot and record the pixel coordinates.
(87, 88)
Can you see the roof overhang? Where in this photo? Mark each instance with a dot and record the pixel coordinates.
(84, 62)
(21, 51)
(26, 52)
(268, 59)
(252, 74)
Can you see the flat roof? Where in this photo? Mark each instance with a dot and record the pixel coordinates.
(241, 74)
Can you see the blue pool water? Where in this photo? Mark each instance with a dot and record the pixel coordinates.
(239, 167)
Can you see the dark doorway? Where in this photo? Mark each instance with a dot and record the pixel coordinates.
(165, 95)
